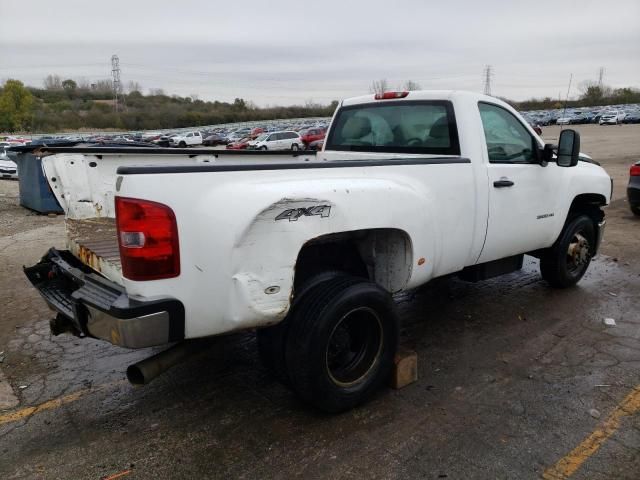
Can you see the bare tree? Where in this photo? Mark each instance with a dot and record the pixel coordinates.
(134, 87)
(103, 85)
(156, 92)
(410, 85)
(309, 103)
(84, 84)
(379, 86)
(53, 82)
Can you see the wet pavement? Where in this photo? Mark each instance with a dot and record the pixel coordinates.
(514, 378)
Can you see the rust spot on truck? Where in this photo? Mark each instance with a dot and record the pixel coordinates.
(89, 258)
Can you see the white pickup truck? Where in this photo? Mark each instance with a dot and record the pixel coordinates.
(167, 245)
(186, 139)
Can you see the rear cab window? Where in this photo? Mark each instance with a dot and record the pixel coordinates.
(415, 127)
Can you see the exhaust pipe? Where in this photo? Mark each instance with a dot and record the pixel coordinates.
(146, 370)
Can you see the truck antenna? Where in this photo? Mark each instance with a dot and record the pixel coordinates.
(566, 100)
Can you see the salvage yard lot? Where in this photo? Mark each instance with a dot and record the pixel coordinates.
(516, 380)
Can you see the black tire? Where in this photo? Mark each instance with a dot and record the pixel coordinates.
(182, 145)
(565, 263)
(272, 340)
(342, 340)
(635, 210)
(295, 147)
(263, 147)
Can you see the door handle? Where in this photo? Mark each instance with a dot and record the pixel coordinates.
(503, 182)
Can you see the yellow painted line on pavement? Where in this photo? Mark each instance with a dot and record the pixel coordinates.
(570, 463)
(51, 404)
(117, 475)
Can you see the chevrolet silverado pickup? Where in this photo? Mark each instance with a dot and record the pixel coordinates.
(167, 245)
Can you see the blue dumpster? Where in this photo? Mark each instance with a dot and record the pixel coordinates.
(35, 193)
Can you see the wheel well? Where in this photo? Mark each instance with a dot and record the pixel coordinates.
(590, 204)
(381, 255)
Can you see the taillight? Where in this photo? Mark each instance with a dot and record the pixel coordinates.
(390, 95)
(148, 239)
(635, 171)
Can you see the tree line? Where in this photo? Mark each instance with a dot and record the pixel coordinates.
(67, 104)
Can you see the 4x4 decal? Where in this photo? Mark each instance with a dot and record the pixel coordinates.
(293, 214)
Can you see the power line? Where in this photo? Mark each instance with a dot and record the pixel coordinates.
(487, 80)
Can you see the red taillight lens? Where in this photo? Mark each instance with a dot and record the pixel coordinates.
(148, 239)
(390, 95)
(635, 171)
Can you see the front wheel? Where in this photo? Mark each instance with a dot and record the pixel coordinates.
(295, 147)
(342, 340)
(565, 263)
(263, 148)
(182, 144)
(636, 210)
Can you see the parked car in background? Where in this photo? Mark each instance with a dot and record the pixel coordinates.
(564, 120)
(633, 189)
(287, 140)
(580, 118)
(632, 118)
(188, 139)
(241, 144)
(164, 140)
(316, 145)
(312, 134)
(613, 117)
(256, 132)
(8, 168)
(215, 139)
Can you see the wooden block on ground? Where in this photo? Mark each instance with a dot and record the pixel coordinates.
(405, 368)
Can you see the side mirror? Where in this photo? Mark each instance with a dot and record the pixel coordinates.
(546, 154)
(568, 148)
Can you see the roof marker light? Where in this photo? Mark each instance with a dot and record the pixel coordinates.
(390, 95)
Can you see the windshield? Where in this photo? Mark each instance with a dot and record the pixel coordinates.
(426, 127)
(262, 137)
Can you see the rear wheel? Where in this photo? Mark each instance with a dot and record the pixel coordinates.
(182, 144)
(295, 147)
(565, 263)
(636, 210)
(272, 340)
(342, 340)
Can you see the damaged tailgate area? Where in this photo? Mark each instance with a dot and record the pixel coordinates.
(94, 241)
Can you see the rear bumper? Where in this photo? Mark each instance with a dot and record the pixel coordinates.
(96, 307)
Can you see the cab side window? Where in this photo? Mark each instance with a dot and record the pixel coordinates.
(508, 141)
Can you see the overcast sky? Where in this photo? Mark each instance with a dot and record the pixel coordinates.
(287, 52)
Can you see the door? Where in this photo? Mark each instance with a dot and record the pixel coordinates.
(524, 197)
(274, 141)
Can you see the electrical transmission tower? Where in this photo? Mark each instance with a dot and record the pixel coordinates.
(487, 79)
(600, 75)
(118, 98)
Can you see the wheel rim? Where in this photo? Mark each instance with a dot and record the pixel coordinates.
(578, 253)
(354, 346)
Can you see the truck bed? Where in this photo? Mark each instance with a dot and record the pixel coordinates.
(95, 242)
